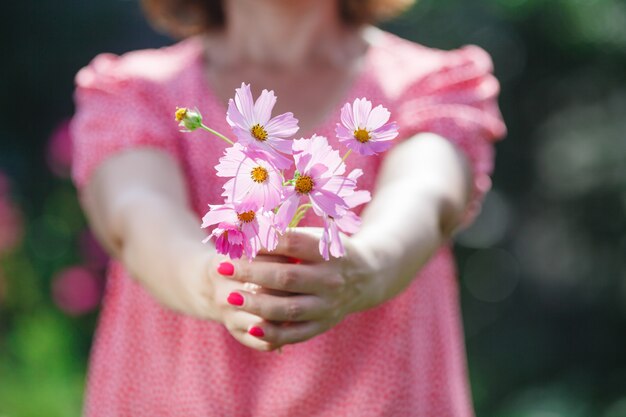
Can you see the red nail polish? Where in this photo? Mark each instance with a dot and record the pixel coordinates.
(256, 331)
(226, 268)
(295, 260)
(235, 299)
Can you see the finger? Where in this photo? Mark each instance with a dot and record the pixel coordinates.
(291, 308)
(253, 342)
(301, 243)
(239, 324)
(304, 279)
(279, 335)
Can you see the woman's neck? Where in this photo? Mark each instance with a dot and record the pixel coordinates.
(284, 34)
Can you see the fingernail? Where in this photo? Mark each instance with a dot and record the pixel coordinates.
(235, 299)
(256, 331)
(295, 260)
(226, 268)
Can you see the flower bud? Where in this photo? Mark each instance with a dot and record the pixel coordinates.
(189, 120)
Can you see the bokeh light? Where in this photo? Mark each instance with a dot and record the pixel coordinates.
(76, 290)
(491, 275)
(59, 153)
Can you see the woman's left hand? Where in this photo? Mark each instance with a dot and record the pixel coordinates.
(312, 295)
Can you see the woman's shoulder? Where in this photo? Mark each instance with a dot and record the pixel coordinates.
(158, 66)
(400, 64)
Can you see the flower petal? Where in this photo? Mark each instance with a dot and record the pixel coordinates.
(263, 107)
(376, 147)
(360, 111)
(336, 246)
(218, 214)
(325, 242)
(282, 126)
(343, 134)
(245, 104)
(385, 133)
(252, 243)
(287, 210)
(267, 232)
(349, 222)
(347, 119)
(326, 202)
(235, 252)
(281, 145)
(234, 116)
(357, 198)
(377, 117)
(340, 186)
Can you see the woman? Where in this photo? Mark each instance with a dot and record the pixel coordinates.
(376, 333)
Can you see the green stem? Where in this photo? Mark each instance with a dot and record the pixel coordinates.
(218, 134)
(343, 159)
(299, 215)
(303, 209)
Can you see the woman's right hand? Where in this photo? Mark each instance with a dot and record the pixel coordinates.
(224, 297)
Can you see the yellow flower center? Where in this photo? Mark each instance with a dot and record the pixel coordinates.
(259, 132)
(259, 174)
(362, 135)
(180, 114)
(246, 216)
(304, 184)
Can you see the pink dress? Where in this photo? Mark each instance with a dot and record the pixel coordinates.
(402, 358)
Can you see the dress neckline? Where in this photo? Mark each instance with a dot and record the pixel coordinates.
(326, 122)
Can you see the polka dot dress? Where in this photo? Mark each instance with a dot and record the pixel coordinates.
(403, 358)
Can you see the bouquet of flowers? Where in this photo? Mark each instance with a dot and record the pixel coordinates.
(260, 203)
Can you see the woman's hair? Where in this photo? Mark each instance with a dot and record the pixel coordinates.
(182, 18)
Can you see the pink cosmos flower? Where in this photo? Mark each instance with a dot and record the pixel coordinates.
(228, 240)
(252, 123)
(348, 221)
(330, 241)
(318, 179)
(241, 228)
(253, 178)
(365, 130)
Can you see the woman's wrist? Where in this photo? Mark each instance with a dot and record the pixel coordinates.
(374, 267)
(192, 280)
(161, 246)
(391, 264)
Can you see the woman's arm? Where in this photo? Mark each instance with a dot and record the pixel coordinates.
(137, 204)
(422, 191)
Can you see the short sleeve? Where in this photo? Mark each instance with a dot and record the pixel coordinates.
(458, 101)
(117, 109)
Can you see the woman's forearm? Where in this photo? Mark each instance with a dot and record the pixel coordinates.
(398, 245)
(419, 201)
(161, 246)
(138, 208)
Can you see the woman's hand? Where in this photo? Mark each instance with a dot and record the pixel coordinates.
(227, 296)
(138, 207)
(420, 196)
(313, 295)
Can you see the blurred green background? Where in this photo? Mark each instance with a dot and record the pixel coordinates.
(543, 270)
